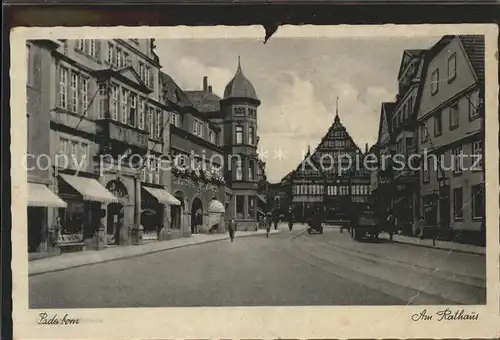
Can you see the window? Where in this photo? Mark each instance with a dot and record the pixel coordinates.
(477, 152)
(142, 70)
(239, 111)
(80, 45)
(157, 171)
(111, 53)
(240, 207)
(197, 127)
(239, 170)
(458, 204)
(438, 123)
(119, 57)
(477, 201)
(133, 110)
(92, 48)
(239, 134)
(126, 58)
(212, 137)
(435, 82)
(410, 106)
(114, 102)
(29, 63)
(151, 168)
(175, 119)
(84, 147)
(251, 207)
(63, 87)
(84, 94)
(251, 135)
(151, 122)
(124, 106)
(250, 170)
(423, 131)
(141, 118)
(158, 125)
(452, 67)
(474, 104)
(425, 171)
(74, 151)
(74, 92)
(457, 160)
(454, 116)
(63, 146)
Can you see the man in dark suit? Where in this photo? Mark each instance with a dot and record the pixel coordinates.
(231, 228)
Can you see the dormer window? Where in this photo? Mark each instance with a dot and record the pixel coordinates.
(197, 127)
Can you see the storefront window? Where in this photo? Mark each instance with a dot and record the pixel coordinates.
(72, 218)
(251, 207)
(240, 207)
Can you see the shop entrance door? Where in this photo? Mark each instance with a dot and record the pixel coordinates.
(35, 228)
(114, 223)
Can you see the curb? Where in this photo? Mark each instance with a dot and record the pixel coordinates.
(137, 255)
(441, 248)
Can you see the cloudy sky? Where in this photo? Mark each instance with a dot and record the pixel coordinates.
(297, 81)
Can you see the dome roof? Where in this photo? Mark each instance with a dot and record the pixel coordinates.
(216, 207)
(240, 86)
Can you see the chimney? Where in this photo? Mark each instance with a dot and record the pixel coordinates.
(205, 83)
(366, 148)
(210, 89)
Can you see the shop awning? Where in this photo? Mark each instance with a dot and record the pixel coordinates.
(163, 196)
(216, 207)
(90, 189)
(262, 198)
(41, 196)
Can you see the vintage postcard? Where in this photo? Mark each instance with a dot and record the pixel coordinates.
(194, 182)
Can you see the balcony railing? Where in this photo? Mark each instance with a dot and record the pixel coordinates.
(123, 133)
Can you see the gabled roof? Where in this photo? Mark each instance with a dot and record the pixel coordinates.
(204, 101)
(474, 48)
(126, 74)
(173, 93)
(408, 56)
(385, 110)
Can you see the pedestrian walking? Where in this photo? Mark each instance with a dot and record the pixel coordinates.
(268, 225)
(390, 225)
(290, 223)
(276, 220)
(421, 226)
(231, 228)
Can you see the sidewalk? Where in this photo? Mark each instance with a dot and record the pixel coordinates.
(89, 257)
(444, 245)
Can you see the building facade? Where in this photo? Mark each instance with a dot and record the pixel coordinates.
(198, 158)
(404, 180)
(41, 199)
(451, 128)
(331, 179)
(106, 137)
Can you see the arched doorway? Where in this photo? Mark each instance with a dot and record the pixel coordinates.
(196, 215)
(115, 213)
(177, 211)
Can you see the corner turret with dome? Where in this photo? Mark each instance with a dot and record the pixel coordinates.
(240, 87)
(239, 109)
